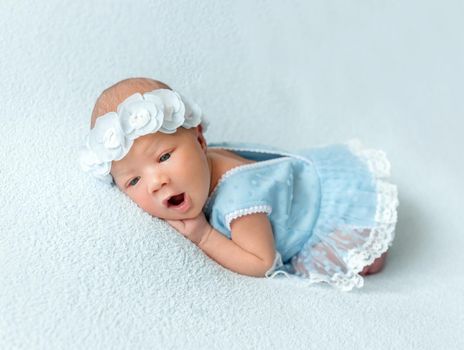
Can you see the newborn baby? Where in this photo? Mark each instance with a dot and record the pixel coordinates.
(322, 214)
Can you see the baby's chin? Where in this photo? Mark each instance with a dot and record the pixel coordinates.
(179, 216)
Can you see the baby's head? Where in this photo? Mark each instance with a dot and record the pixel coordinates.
(148, 141)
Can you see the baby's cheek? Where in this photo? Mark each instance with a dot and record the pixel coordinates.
(143, 202)
(184, 163)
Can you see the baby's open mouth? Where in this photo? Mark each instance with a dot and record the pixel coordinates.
(176, 200)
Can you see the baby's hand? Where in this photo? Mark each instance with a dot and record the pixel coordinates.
(194, 229)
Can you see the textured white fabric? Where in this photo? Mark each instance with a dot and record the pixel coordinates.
(81, 267)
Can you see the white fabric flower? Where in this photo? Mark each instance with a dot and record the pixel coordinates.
(174, 109)
(141, 115)
(107, 138)
(114, 133)
(90, 163)
(192, 113)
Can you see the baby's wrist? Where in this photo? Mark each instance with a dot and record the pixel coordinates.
(205, 236)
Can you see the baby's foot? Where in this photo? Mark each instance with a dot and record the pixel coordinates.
(375, 267)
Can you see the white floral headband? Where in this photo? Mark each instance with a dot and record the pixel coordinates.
(112, 136)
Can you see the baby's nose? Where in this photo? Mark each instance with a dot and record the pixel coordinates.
(156, 182)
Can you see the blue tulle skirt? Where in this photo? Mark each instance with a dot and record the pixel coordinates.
(356, 220)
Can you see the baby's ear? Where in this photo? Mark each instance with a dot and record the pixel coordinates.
(201, 139)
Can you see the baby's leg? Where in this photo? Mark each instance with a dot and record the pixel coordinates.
(375, 267)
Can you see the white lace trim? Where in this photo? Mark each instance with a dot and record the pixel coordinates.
(246, 211)
(375, 159)
(380, 237)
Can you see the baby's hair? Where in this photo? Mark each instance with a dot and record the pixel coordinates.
(110, 98)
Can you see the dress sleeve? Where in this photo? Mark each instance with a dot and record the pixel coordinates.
(246, 210)
(244, 191)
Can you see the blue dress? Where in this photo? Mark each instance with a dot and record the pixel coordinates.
(331, 211)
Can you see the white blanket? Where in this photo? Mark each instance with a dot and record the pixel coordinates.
(81, 267)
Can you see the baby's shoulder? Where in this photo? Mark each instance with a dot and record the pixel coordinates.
(227, 158)
(223, 161)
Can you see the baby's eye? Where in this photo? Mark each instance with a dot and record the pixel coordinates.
(164, 157)
(134, 181)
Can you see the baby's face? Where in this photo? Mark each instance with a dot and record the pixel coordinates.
(167, 175)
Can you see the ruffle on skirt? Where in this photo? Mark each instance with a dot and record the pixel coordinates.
(356, 220)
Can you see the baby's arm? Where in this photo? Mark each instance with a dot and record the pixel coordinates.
(250, 251)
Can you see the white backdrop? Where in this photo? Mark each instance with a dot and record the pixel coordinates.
(82, 267)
